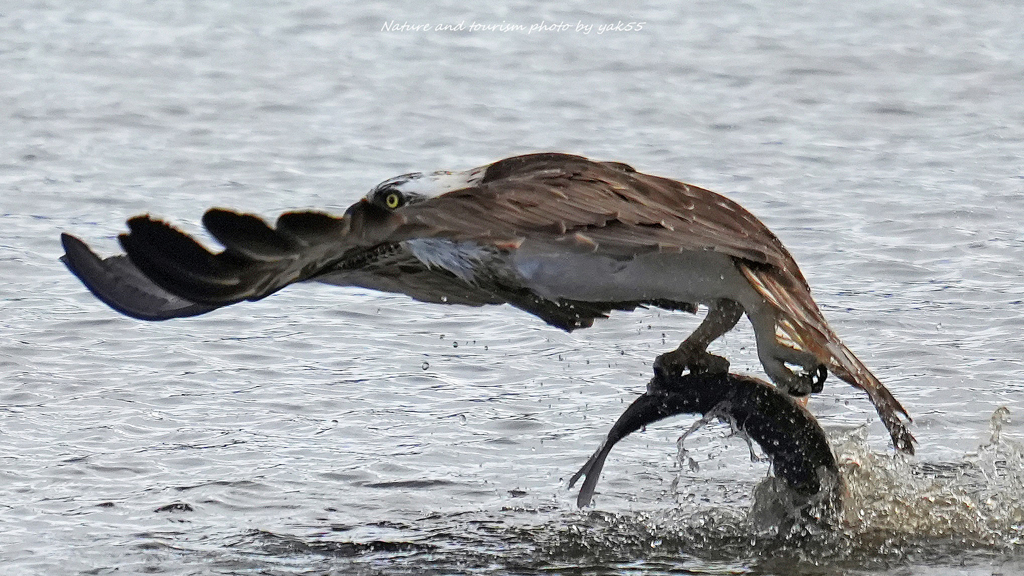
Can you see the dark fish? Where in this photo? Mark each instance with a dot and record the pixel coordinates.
(788, 434)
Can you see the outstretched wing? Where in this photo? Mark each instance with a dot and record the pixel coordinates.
(584, 205)
(257, 260)
(167, 274)
(555, 200)
(118, 283)
(806, 329)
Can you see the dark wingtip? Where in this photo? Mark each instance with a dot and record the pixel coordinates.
(246, 234)
(78, 257)
(889, 410)
(70, 244)
(179, 264)
(904, 441)
(120, 285)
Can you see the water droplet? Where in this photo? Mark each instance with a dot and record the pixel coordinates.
(486, 348)
(444, 299)
(1000, 417)
(455, 344)
(425, 365)
(462, 419)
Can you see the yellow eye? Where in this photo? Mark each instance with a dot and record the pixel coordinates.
(393, 200)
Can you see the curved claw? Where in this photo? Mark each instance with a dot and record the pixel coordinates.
(680, 360)
(818, 378)
(805, 383)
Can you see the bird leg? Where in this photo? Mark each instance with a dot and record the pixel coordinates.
(693, 353)
(812, 379)
(775, 356)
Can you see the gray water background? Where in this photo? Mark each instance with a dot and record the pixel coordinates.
(342, 431)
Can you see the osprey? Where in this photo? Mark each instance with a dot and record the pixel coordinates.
(559, 236)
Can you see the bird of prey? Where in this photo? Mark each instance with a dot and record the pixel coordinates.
(560, 236)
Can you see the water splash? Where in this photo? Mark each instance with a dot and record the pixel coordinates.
(896, 513)
(895, 510)
(975, 501)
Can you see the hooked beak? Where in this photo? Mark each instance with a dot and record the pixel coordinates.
(352, 209)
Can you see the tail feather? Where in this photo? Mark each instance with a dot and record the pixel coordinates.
(801, 323)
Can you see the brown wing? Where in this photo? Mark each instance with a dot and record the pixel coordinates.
(585, 205)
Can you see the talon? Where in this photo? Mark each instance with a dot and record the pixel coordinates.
(696, 361)
(711, 363)
(664, 367)
(797, 385)
(818, 379)
(805, 383)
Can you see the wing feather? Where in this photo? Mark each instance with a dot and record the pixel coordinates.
(256, 262)
(557, 197)
(123, 287)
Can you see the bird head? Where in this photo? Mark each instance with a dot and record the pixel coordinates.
(414, 187)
